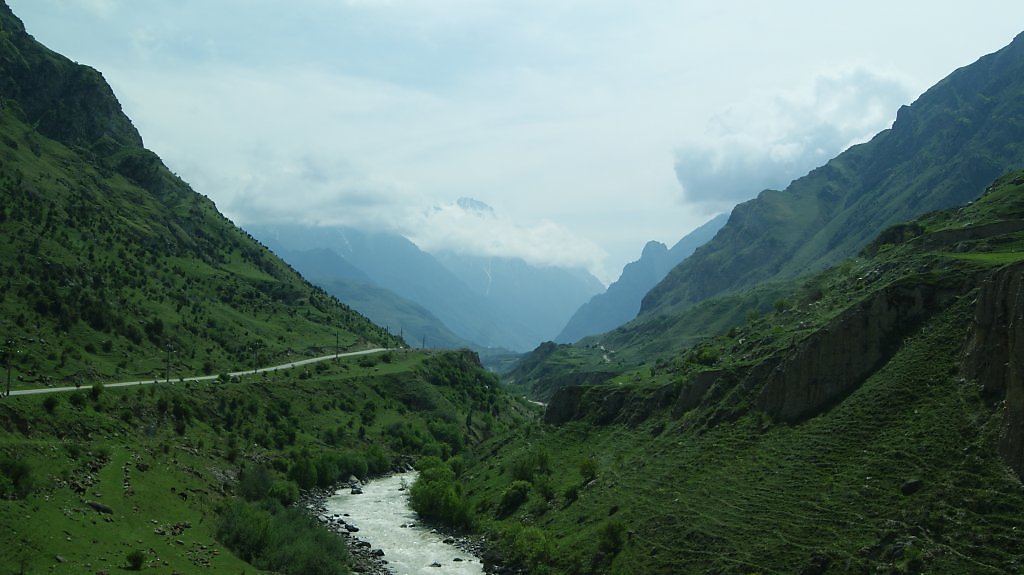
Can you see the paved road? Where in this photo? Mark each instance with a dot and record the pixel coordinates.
(291, 365)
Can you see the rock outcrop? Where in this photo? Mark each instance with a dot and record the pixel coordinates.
(834, 360)
(995, 355)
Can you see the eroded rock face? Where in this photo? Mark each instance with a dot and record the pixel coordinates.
(995, 355)
(817, 373)
(833, 361)
(604, 405)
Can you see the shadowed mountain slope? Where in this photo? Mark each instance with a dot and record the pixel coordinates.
(621, 301)
(941, 151)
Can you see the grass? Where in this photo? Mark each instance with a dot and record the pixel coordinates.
(101, 276)
(743, 497)
(723, 488)
(166, 486)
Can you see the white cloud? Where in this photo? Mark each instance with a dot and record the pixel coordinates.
(463, 227)
(563, 115)
(99, 7)
(767, 144)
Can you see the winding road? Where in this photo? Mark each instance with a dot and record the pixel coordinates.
(289, 365)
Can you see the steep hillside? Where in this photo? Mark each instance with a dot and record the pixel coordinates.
(113, 267)
(203, 476)
(871, 423)
(940, 152)
(621, 301)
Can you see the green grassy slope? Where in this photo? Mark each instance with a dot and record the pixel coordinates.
(168, 458)
(101, 276)
(112, 267)
(692, 466)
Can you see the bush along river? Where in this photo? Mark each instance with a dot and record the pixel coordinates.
(384, 530)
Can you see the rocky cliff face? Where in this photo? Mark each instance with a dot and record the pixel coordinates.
(816, 373)
(65, 101)
(995, 355)
(833, 361)
(604, 405)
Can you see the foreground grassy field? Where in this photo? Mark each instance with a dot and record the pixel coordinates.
(92, 476)
(667, 496)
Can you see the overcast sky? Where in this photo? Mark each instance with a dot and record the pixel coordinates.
(588, 126)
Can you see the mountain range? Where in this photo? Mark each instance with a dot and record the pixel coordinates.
(776, 407)
(443, 299)
(621, 301)
(943, 150)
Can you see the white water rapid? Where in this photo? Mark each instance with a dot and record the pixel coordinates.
(383, 517)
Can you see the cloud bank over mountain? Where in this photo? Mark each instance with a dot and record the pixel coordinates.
(577, 120)
(749, 148)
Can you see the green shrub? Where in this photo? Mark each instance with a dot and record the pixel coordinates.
(571, 493)
(588, 469)
(303, 471)
(76, 399)
(376, 460)
(514, 495)
(533, 462)
(50, 403)
(437, 496)
(448, 433)
(243, 529)
(16, 478)
(295, 545)
(284, 492)
(135, 560)
(610, 538)
(527, 546)
(352, 463)
(254, 483)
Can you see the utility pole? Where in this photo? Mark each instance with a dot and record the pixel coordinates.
(7, 351)
(255, 356)
(170, 349)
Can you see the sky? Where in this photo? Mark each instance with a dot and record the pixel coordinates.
(566, 132)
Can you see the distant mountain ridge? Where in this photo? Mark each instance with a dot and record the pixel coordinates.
(543, 296)
(621, 301)
(487, 302)
(398, 315)
(941, 151)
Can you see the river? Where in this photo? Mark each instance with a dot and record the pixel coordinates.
(383, 517)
